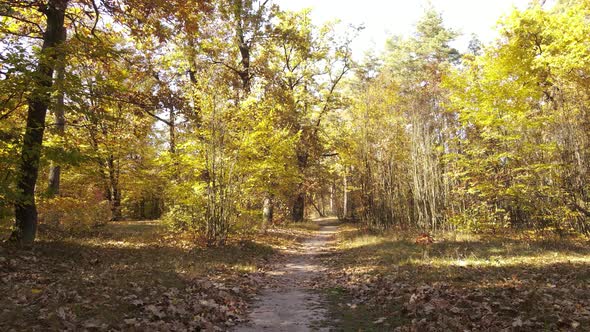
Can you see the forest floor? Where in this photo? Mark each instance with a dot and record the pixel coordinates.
(518, 282)
(134, 276)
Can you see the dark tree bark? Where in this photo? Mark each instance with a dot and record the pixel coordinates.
(298, 210)
(245, 71)
(243, 16)
(172, 130)
(25, 210)
(172, 138)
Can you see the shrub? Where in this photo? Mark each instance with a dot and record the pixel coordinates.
(74, 214)
(181, 218)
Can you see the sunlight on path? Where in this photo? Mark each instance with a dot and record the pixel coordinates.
(288, 303)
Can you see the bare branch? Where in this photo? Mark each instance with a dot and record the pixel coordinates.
(97, 13)
(226, 65)
(24, 20)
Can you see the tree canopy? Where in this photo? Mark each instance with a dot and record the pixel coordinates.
(223, 118)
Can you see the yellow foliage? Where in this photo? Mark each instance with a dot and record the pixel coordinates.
(74, 213)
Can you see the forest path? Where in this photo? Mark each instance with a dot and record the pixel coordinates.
(289, 303)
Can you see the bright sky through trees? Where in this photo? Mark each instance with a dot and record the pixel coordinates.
(383, 18)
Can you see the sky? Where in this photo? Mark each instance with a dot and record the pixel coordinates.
(383, 18)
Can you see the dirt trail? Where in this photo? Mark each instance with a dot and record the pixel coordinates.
(288, 303)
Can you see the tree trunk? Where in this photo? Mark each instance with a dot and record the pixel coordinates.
(298, 211)
(345, 198)
(243, 46)
(24, 209)
(317, 208)
(332, 198)
(116, 205)
(267, 211)
(54, 180)
(172, 131)
(59, 118)
(115, 197)
(298, 207)
(172, 150)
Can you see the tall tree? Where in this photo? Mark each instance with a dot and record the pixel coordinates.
(314, 62)
(59, 118)
(38, 103)
(402, 179)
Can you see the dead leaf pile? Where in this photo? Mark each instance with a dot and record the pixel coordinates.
(97, 289)
(555, 298)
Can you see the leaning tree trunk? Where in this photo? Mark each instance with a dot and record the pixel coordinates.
(24, 209)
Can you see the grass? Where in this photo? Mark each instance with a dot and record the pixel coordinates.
(387, 281)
